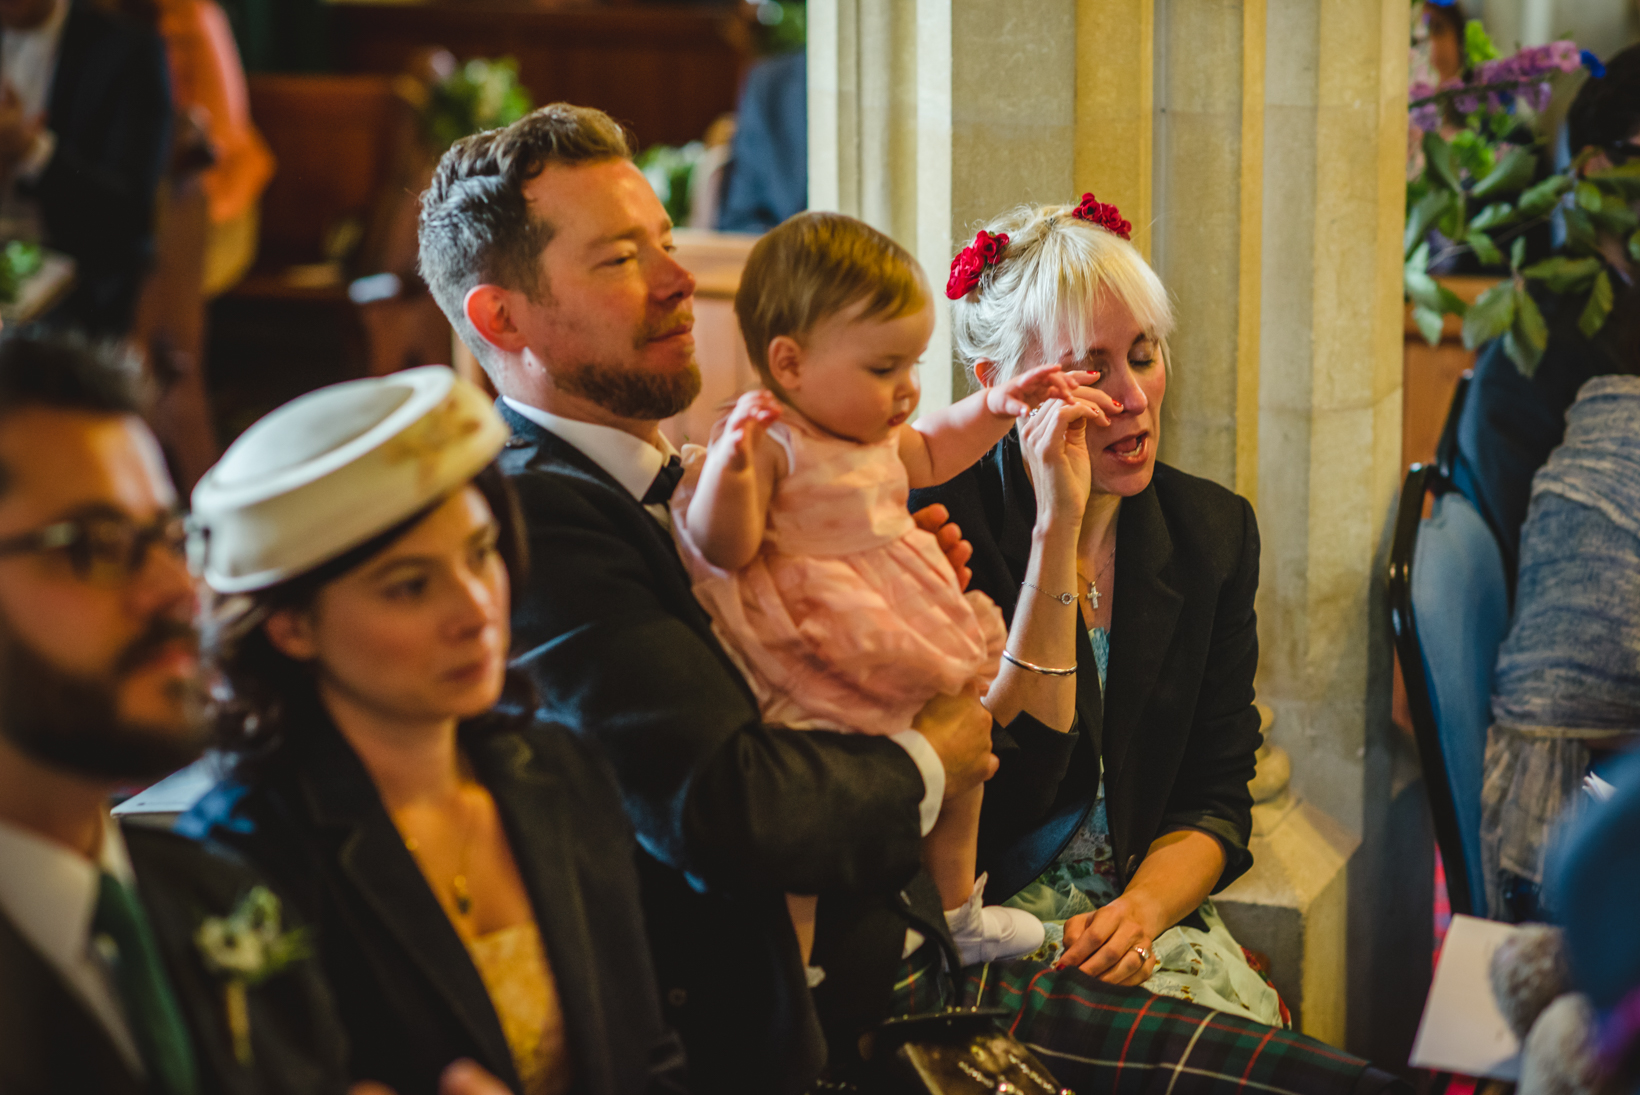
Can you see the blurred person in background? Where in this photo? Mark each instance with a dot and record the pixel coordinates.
(768, 176)
(208, 220)
(85, 125)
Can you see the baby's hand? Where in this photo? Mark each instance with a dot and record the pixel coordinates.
(1028, 390)
(754, 412)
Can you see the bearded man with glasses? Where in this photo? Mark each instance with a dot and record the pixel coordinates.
(109, 981)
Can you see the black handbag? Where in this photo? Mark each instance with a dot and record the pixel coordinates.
(962, 1051)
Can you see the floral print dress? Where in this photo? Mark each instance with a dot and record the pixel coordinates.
(1204, 967)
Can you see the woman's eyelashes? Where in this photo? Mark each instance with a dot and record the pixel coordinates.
(407, 588)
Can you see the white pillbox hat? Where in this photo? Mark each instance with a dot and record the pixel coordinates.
(329, 470)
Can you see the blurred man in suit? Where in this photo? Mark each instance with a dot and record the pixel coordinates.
(102, 984)
(85, 119)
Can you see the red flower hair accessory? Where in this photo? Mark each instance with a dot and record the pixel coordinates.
(971, 261)
(1105, 216)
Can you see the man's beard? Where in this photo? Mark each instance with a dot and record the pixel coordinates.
(634, 392)
(72, 722)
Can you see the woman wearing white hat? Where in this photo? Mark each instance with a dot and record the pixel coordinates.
(468, 868)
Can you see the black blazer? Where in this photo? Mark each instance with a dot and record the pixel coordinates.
(732, 813)
(49, 1042)
(1177, 729)
(110, 108)
(410, 998)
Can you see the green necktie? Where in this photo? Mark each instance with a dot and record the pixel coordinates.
(150, 1005)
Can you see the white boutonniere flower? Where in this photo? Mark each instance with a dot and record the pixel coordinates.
(245, 948)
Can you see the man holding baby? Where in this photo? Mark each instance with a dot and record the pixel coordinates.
(553, 259)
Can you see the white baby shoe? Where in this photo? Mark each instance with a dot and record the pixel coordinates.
(987, 933)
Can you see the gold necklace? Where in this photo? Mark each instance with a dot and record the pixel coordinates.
(460, 890)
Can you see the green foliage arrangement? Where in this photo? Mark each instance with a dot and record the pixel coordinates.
(1477, 192)
(19, 261)
(671, 170)
(477, 96)
(785, 25)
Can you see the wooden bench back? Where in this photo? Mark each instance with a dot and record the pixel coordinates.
(333, 139)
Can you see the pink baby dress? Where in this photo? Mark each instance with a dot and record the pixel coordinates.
(849, 618)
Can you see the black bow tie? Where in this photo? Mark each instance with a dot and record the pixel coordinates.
(666, 481)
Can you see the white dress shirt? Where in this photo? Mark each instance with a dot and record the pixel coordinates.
(49, 893)
(633, 464)
(28, 62)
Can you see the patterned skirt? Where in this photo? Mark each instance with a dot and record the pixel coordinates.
(1099, 1038)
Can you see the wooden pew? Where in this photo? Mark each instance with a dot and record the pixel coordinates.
(667, 72)
(341, 143)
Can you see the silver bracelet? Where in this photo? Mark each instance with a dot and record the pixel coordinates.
(1042, 669)
(1062, 598)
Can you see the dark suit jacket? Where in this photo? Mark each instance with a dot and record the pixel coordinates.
(410, 997)
(1510, 423)
(1177, 729)
(110, 107)
(734, 813)
(49, 1042)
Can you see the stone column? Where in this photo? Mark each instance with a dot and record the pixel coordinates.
(928, 116)
(1329, 465)
(1257, 145)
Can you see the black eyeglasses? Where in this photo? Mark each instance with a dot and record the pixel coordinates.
(105, 550)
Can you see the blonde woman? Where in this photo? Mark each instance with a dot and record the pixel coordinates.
(1129, 589)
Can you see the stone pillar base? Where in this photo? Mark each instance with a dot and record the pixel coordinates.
(1292, 905)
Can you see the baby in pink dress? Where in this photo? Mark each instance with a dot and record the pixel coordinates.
(843, 614)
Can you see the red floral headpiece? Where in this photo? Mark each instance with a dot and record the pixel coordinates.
(1105, 216)
(971, 261)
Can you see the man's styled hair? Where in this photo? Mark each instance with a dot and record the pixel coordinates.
(814, 266)
(476, 225)
(1607, 108)
(63, 372)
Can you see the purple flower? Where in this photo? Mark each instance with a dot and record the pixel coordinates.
(1426, 117)
(1536, 96)
(1420, 91)
(1467, 103)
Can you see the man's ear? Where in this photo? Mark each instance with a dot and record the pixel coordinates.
(986, 372)
(489, 310)
(290, 631)
(786, 362)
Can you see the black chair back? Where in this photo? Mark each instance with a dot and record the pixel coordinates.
(1449, 610)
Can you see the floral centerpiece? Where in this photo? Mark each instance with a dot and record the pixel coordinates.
(1474, 187)
(474, 97)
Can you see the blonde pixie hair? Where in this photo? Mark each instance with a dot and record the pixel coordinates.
(813, 266)
(1037, 301)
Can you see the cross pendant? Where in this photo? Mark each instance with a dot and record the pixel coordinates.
(1093, 595)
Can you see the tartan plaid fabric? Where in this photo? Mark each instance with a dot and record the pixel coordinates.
(1127, 1041)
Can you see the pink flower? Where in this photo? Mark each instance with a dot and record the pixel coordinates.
(1565, 55)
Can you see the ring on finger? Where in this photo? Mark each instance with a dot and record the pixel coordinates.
(1144, 955)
